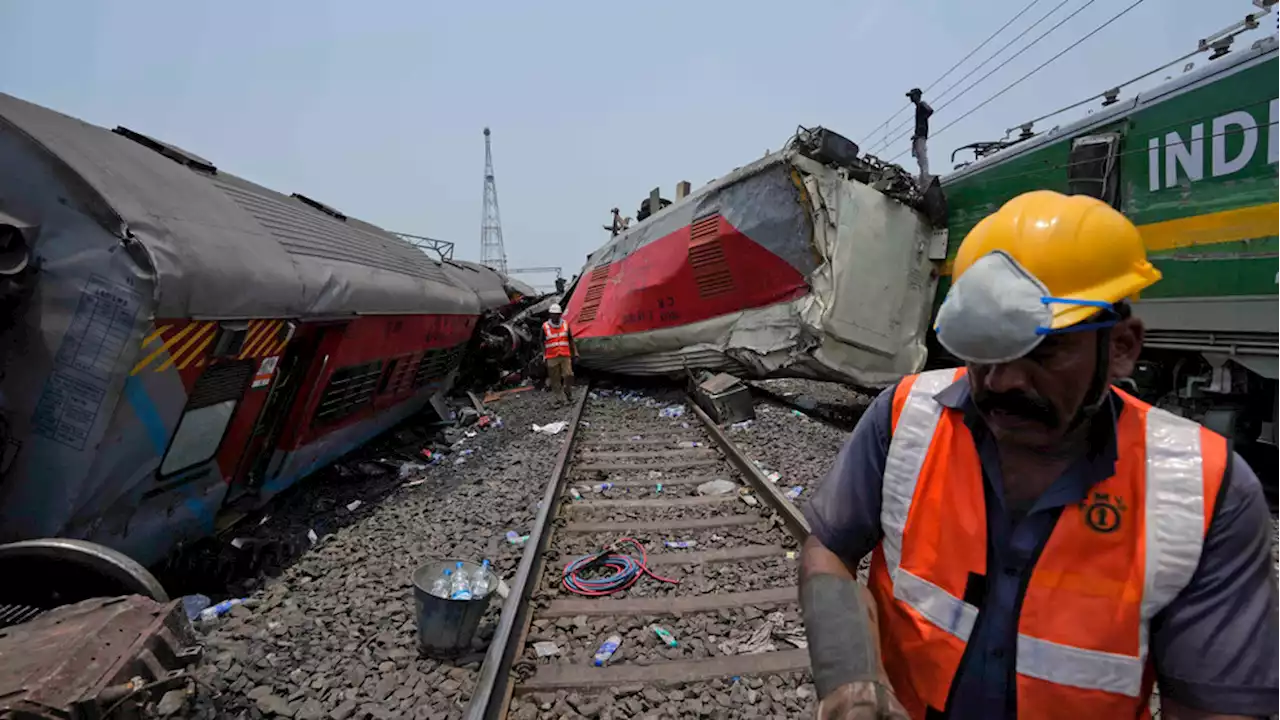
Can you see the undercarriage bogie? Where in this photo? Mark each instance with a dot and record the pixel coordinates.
(51, 572)
(97, 658)
(1224, 395)
(86, 633)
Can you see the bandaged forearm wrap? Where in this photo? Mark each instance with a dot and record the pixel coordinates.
(842, 646)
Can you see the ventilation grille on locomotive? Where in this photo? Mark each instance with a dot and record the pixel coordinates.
(350, 388)
(220, 383)
(706, 256)
(435, 364)
(399, 377)
(595, 292)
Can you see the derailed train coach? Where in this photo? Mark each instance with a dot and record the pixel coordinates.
(810, 262)
(180, 344)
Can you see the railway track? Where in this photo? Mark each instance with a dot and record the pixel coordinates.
(729, 600)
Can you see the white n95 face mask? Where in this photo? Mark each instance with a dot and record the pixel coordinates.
(998, 312)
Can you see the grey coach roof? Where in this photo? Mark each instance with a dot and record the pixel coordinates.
(225, 247)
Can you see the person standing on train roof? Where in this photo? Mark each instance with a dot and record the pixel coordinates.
(920, 136)
(558, 353)
(1044, 545)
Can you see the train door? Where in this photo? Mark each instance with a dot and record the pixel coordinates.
(251, 469)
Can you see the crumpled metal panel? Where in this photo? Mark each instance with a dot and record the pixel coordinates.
(79, 660)
(864, 259)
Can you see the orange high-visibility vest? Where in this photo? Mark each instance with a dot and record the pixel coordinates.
(557, 340)
(1109, 566)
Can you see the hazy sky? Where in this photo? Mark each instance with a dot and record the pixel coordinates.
(376, 108)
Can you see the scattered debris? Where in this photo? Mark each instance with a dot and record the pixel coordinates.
(554, 428)
(722, 396)
(546, 648)
(665, 636)
(717, 487)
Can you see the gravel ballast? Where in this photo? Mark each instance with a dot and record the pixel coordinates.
(799, 448)
(334, 636)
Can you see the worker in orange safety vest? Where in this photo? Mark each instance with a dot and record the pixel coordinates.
(558, 353)
(1043, 544)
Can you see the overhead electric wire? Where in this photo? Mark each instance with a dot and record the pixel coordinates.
(953, 67)
(889, 138)
(1034, 70)
(1095, 96)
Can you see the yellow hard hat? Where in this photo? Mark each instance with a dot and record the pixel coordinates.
(1079, 247)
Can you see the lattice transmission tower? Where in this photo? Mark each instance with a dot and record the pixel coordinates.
(491, 251)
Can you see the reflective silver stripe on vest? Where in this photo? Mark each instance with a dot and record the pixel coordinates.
(1077, 667)
(940, 607)
(1175, 509)
(907, 450)
(1174, 522)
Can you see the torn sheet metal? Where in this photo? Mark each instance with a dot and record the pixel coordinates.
(785, 267)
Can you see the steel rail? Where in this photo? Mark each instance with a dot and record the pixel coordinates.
(791, 516)
(493, 686)
(840, 423)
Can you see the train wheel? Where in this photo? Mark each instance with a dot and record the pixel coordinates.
(50, 572)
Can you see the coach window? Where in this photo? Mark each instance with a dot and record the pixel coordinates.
(209, 410)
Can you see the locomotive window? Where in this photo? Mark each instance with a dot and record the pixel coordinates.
(210, 407)
(350, 388)
(1091, 167)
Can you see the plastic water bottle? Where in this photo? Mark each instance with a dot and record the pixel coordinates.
(602, 486)
(440, 588)
(480, 586)
(665, 636)
(460, 589)
(220, 609)
(607, 650)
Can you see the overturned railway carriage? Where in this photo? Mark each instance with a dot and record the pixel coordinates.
(787, 266)
(1192, 163)
(181, 344)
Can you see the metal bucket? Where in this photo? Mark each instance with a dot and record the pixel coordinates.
(445, 626)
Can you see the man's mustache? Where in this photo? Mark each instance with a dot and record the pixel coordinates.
(1018, 404)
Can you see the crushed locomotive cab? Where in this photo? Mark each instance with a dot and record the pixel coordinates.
(810, 262)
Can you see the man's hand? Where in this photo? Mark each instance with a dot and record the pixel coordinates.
(861, 701)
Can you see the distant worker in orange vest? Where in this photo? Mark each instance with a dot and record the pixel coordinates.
(1043, 544)
(558, 353)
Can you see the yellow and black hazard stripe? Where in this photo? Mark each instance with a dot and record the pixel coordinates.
(263, 339)
(191, 342)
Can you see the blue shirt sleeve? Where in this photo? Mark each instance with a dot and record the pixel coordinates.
(844, 515)
(1215, 646)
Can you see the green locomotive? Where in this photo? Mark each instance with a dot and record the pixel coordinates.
(1193, 163)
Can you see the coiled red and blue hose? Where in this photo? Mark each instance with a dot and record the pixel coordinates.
(627, 569)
